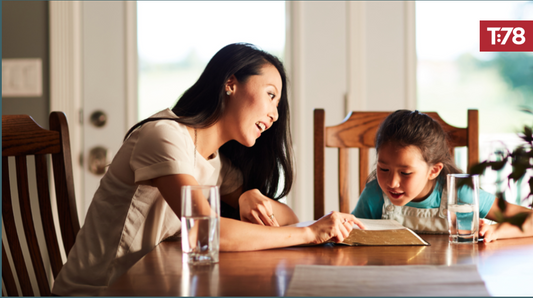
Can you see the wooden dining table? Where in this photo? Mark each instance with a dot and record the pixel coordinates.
(506, 267)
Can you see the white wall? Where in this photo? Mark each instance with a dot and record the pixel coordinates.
(344, 56)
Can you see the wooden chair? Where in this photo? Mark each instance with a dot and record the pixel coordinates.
(22, 137)
(358, 130)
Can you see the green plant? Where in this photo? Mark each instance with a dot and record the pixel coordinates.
(521, 160)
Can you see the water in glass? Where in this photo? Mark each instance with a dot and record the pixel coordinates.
(200, 243)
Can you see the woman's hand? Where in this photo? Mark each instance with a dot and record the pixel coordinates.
(334, 226)
(256, 208)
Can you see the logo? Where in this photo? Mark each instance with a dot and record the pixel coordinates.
(506, 36)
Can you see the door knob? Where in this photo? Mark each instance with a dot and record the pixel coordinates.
(98, 160)
(98, 118)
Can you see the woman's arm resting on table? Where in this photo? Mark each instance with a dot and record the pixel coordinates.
(241, 236)
(506, 230)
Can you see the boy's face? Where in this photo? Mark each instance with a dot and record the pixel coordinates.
(403, 174)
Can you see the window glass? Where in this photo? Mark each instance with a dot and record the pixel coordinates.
(176, 39)
(453, 75)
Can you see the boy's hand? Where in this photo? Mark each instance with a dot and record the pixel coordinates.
(487, 231)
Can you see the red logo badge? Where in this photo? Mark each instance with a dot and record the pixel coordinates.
(506, 36)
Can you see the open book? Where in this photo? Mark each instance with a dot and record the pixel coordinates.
(378, 232)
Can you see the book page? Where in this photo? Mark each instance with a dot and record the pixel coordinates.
(377, 232)
(380, 224)
(370, 224)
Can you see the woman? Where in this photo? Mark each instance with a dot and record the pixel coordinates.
(212, 135)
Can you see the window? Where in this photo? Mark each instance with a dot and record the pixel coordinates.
(453, 75)
(176, 39)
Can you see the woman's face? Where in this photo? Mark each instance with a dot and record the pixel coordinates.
(403, 174)
(252, 106)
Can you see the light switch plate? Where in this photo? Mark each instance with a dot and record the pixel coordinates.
(22, 77)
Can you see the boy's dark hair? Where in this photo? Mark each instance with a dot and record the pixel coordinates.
(405, 128)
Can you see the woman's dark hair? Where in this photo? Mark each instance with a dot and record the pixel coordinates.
(405, 128)
(202, 105)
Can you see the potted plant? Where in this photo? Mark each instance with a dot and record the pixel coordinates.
(521, 160)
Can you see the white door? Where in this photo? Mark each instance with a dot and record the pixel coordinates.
(103, 89)
(107, 94)
(93, 73)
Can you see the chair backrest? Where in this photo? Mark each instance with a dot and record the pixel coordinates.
(22, 137)
(358, 130)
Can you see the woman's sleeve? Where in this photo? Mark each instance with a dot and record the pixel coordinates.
(370, 202)
(161, 149)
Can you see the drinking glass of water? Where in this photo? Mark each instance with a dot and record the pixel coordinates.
(463, 208)
(200, 224)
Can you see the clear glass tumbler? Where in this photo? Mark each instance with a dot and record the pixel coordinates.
(200, 224)
(463, 208)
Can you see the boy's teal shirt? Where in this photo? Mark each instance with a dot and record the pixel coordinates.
(370, 204)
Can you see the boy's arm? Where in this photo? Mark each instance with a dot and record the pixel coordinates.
(362, 209)
(506, 230)
(370, 202)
